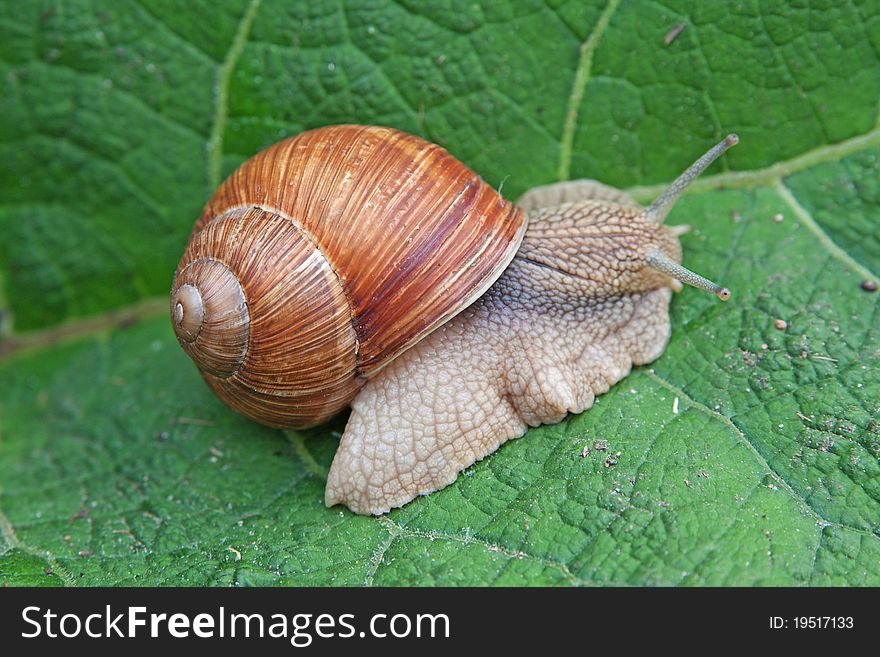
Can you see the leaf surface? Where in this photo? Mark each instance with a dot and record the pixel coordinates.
(747, 454)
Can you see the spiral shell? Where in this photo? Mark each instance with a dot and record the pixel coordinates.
(324, 257)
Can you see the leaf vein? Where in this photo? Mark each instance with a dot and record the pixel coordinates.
(8, 533)
(768, 175)
(579, 85)
(221, 93)
(810, 224)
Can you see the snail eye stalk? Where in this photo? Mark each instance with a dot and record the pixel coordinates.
(657, 211)
(662, 263)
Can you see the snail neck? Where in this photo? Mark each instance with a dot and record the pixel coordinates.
(582, 255)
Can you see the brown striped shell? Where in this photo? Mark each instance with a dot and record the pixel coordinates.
(324, 257)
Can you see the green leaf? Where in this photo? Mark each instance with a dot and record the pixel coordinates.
(748, 454)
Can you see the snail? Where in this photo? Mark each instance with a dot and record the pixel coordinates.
(363, 266)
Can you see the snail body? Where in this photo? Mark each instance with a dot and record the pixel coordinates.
(355, 265)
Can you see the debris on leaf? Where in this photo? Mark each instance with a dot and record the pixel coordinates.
(672, 34)
(600, 445)
(777, 218)
(781, 324)
(612, 460)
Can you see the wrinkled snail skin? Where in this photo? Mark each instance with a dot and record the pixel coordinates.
(571, 315)
(362, 266)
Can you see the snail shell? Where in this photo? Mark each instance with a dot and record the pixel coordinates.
(327, 255)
